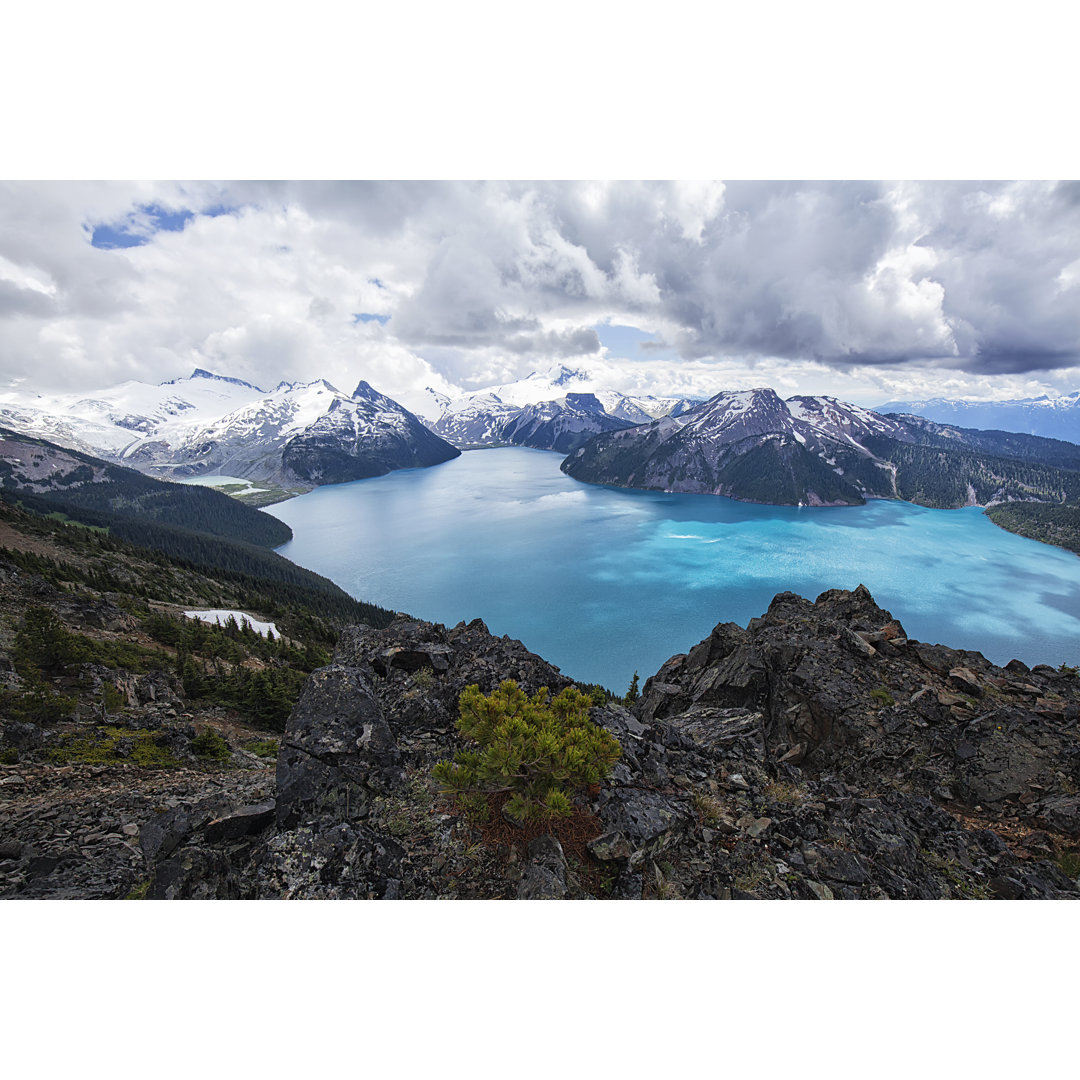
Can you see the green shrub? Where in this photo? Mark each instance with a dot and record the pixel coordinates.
(264, 748)
(539, 749)
(210, 746)
(36, 701)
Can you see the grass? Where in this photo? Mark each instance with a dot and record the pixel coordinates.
(707, 808)
(100, 748)
(781, 792)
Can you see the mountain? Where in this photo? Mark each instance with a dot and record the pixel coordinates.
(1051, 417)
(747, 444)
(365, 435)
(558, 409)
(209, 424)
(751, 445)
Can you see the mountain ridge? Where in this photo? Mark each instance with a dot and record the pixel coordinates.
(752, 445)
(1052, 417)
(209, 424)
(542, 411)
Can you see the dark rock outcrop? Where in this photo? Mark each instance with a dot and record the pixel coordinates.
(817, 753)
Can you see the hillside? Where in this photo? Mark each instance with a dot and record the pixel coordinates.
(817, 754)
(112, 703)
(48, 477)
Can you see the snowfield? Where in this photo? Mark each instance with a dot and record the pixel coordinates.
(221, 617)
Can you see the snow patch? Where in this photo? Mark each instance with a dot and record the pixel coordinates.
(220, 616)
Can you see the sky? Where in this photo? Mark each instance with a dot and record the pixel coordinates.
(866, 290)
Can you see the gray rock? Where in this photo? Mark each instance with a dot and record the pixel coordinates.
(337, 750)
(637, 824)
(244, 822)
(1062, 814)
(22, 736)
(836, 865)
(545, 876)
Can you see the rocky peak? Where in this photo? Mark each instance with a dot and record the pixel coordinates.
(202, 373)
(736, 414)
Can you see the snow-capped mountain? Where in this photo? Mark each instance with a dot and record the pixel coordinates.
(748, 444)
(367, 434)
(556, 409)
(207, 424)
(751, 445)
(559, 425)
(1051, 417)
(110, 421)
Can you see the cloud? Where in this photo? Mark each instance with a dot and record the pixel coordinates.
(808, 286)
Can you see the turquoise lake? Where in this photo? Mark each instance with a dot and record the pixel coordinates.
(603, 582)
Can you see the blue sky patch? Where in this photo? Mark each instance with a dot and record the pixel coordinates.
(626, 343)
(366, 316)
(139, 227)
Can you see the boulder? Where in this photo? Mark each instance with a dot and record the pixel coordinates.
(545, 875)
(337, 750)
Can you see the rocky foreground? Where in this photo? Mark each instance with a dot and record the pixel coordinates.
(817, 754)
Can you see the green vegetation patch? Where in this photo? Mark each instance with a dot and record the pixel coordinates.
(44, 643)
(264, 748)
(210, 746)
(110, 745)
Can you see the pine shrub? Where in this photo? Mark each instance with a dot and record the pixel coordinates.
(210, 746)
(539, 749)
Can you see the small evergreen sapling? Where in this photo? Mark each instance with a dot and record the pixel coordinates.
(540, 749)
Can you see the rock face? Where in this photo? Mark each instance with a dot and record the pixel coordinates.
(817, 753)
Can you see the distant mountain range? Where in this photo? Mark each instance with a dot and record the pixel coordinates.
(1051, 417)
(297, 433)
(747, 444)
(559, 409)
(818, 451)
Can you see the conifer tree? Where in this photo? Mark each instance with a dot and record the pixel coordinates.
(540, 749)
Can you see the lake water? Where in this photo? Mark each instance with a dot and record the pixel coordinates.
(603, 582)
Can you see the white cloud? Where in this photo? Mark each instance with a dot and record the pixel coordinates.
(854, 289)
